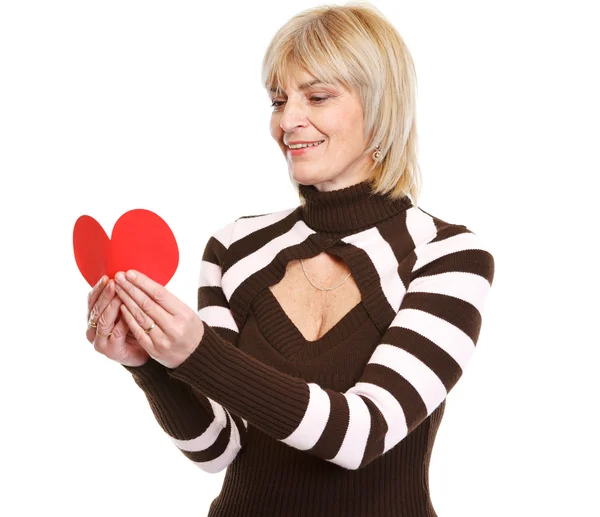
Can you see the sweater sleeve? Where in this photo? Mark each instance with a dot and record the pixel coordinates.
(204, 430)
(418, 360)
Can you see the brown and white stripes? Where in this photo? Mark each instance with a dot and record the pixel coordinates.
(423, 281)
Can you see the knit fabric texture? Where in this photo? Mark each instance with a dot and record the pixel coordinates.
(342, 426)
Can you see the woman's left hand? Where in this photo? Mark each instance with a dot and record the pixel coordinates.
(168, 329)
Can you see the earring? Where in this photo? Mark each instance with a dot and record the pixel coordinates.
(377, 153)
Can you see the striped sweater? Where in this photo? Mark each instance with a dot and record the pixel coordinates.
(344, 425)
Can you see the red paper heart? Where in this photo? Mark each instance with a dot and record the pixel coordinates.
(140, 240)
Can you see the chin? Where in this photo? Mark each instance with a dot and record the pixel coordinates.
(305, 179)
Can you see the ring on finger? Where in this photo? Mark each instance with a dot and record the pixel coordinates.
(93, 323)
(147, 331)
(100, 335)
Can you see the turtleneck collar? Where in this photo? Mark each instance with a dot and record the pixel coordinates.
(348, 209)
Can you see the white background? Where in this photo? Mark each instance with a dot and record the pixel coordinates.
(114, 105)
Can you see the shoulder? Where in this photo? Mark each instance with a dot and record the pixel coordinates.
(248, 224)
(427, 229)
(455, 244)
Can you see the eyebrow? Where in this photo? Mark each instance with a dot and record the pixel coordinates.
(303, 86)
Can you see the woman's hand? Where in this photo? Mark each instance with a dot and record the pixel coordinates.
(110, 336)
(163, 325)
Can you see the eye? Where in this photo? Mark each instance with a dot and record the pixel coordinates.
(315, 99)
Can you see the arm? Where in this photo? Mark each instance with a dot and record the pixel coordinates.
(206, 432)
(419, 359)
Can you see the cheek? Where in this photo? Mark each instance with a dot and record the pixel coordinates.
(350, 131)
(341, 127)
(275, 129)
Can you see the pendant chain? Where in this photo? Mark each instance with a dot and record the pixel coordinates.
(322, 288)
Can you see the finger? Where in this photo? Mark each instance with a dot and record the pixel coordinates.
(107, 294)
(105, 297)
(106, 323)
(141, 337)
(121, 329)
(108, 318)
(142, 320)
(118, 334)
(155, 291)
(148, 305)
(93, 295)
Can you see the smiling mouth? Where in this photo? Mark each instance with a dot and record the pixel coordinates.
(294, 147)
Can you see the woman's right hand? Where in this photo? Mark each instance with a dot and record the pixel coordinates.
(111, 336)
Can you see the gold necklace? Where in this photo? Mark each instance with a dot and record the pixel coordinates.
(323, 288)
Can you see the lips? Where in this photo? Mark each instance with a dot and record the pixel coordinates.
(296, 142)
(304, 146)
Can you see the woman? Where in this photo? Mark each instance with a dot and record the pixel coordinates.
(328, 335)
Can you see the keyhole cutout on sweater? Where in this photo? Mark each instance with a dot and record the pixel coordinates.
(314, 312)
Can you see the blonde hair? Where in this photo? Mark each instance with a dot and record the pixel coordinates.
(355, 46)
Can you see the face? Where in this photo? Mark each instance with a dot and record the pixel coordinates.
(310, 113)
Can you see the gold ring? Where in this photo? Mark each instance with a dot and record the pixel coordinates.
(100, 335)
(93, 323)
(149, 328)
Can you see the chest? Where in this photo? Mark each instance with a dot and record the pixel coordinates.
(313, 311)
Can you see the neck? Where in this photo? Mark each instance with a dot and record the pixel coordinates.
(348, 209)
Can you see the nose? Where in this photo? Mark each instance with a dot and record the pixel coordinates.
(294, 115)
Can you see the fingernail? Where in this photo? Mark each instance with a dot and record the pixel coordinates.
(131, 275)
(120, 277)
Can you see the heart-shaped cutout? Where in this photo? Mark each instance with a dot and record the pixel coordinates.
(140, 240)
